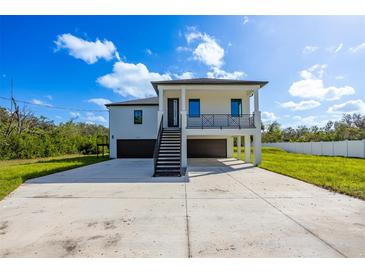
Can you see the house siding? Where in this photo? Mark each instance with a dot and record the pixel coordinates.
(121, 124)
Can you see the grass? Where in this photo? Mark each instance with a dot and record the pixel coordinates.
(14, 172)
(343, 175)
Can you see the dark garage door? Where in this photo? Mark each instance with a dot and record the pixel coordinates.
(207, 148)
(135, 148)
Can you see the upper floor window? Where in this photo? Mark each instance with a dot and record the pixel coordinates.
(236, 107)
(138, 117)
(194, 107)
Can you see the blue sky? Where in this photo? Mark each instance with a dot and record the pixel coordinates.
(315, 64)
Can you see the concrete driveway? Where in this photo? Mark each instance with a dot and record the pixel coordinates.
(226, 209)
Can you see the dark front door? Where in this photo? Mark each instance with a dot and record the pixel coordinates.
(173, 112)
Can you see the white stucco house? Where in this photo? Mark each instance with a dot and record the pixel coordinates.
(187, 118)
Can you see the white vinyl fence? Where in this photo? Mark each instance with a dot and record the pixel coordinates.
(338, 148)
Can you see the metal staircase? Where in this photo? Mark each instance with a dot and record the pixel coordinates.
(168, 158)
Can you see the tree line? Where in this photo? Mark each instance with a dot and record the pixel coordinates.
(350, 127)
(24, 135)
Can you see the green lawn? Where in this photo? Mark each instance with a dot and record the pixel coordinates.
(14, 172)
(344, 175)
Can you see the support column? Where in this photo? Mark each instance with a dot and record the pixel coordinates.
(257, 148)
(247, 148)
(230, 147)
(257, 136)
(184, 148)
(160, 107)
(239, 147)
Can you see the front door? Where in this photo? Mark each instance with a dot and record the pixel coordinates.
(173, 112)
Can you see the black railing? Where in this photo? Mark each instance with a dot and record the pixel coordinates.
(157, 146)
(222, 121)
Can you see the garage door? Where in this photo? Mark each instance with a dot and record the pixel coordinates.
(135, 148)
(207, 148)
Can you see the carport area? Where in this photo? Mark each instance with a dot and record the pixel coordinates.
(226, 208)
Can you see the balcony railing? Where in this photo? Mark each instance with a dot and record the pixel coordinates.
(221, 121)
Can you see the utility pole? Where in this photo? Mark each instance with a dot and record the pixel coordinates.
(11, 94)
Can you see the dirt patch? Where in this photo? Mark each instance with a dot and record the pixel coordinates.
(360, 225)
(3, 227)
(69, 246)
(96, 237)
(109, 225)
(112, 240)
(214, 190)
(92, 224)
(128, 221)
(231, 247)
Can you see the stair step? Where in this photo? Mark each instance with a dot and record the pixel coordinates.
(168, 163)
(167, 167)
(168, 158)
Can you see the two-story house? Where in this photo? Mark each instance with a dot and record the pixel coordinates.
(192, 118)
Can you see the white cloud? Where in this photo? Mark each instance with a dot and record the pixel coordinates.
(74, 115)
(308, 121)
(311, 86)
(49, 97)
(88, 51)
(40, 103)
(268, 116)
(245, 20)
(149, 52)
(208, 51)
(335, 49)
(91, 118)
(310, 49)
(357, 48)
(129, 79)
(350, 106)
(315, 71)
(302, 105)
(184, 75)
(219, 73)
(99, 101)
(88, 117)
(183, 49)
(340, 77)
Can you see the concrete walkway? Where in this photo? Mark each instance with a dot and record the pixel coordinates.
(226, 209)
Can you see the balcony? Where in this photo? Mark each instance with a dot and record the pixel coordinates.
(221, 121)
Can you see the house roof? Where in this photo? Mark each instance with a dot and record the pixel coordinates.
(207, 81)
(197, 81)
(152, 101)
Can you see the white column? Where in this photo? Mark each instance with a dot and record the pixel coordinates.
(239, 147)
(184, 157)
(229, 147)
(247, 148)
(246, 104)
(256, 100)
(257, 148)
(160, 107)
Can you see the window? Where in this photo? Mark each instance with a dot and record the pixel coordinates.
(138, 117)
(236, 107)
(194, 107)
